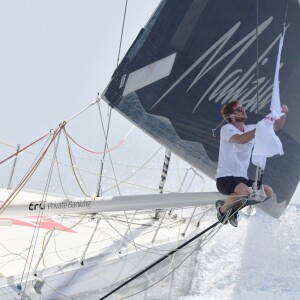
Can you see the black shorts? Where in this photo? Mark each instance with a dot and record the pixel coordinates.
(226, 185)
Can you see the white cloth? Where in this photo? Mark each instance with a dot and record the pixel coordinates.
(275, 103)
(234, 158)
(266, 142)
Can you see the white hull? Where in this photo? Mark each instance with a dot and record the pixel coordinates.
(80, 259)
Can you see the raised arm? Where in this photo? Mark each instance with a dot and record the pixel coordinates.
(278, 124)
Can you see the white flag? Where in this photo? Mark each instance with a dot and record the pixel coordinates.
(266, 142)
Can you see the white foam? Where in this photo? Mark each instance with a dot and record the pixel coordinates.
(258, 260)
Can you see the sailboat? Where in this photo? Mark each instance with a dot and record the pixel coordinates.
(189, 59)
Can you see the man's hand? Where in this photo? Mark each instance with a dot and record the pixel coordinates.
(284, 109)
(279, 123)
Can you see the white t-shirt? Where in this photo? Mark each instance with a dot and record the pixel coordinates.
(234, 159)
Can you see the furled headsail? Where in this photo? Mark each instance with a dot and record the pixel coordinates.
(195, 55)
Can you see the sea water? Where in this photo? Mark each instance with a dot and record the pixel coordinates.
(260, 259)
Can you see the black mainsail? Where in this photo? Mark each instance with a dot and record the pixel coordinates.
(195, 55)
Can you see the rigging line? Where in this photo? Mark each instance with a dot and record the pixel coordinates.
(71, 156)
(257, 51)
(74, 168)
(134, 293)
(153, 252)
(109, 154)
(80, 112)
(260, 171)
(68, 165)
(137, 186)
(19, 255)
(285, 17)
(46, 158)
(257, 69)
(95, 152)
(174, 224)
(202, 216)
(201, 244)
(285, 14)
(8, 145)
(143, 187)
(105, 147)
(21, 185)
(257, 86)
(139, 246)
(160, 260)
(122, 32)
(43, 244)
(132, 184)
(132, 238)
(28, 175)
(109, 178)
(177, 169)
(171, 265)
(59, 176)
(24, 148)
(55, 243)
(83, 110)
(66, 228)
(40, 211)
(131, 242)
(135, 246)
(110, 109)
(161, 279)
(109, 150)
(128, 183)
(217, 228)
(61, 230)
(131, 175)
(130, 166)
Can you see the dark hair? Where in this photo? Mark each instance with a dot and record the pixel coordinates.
(227, 109)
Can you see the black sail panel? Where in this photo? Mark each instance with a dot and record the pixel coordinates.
(195, 55)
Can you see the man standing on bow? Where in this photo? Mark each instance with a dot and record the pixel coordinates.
(236, 144)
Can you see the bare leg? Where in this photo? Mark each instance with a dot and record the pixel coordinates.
(241, 191)
(268, 190)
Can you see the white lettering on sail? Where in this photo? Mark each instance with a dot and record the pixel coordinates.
(236, 88)
(235, 84)
(222, 41)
